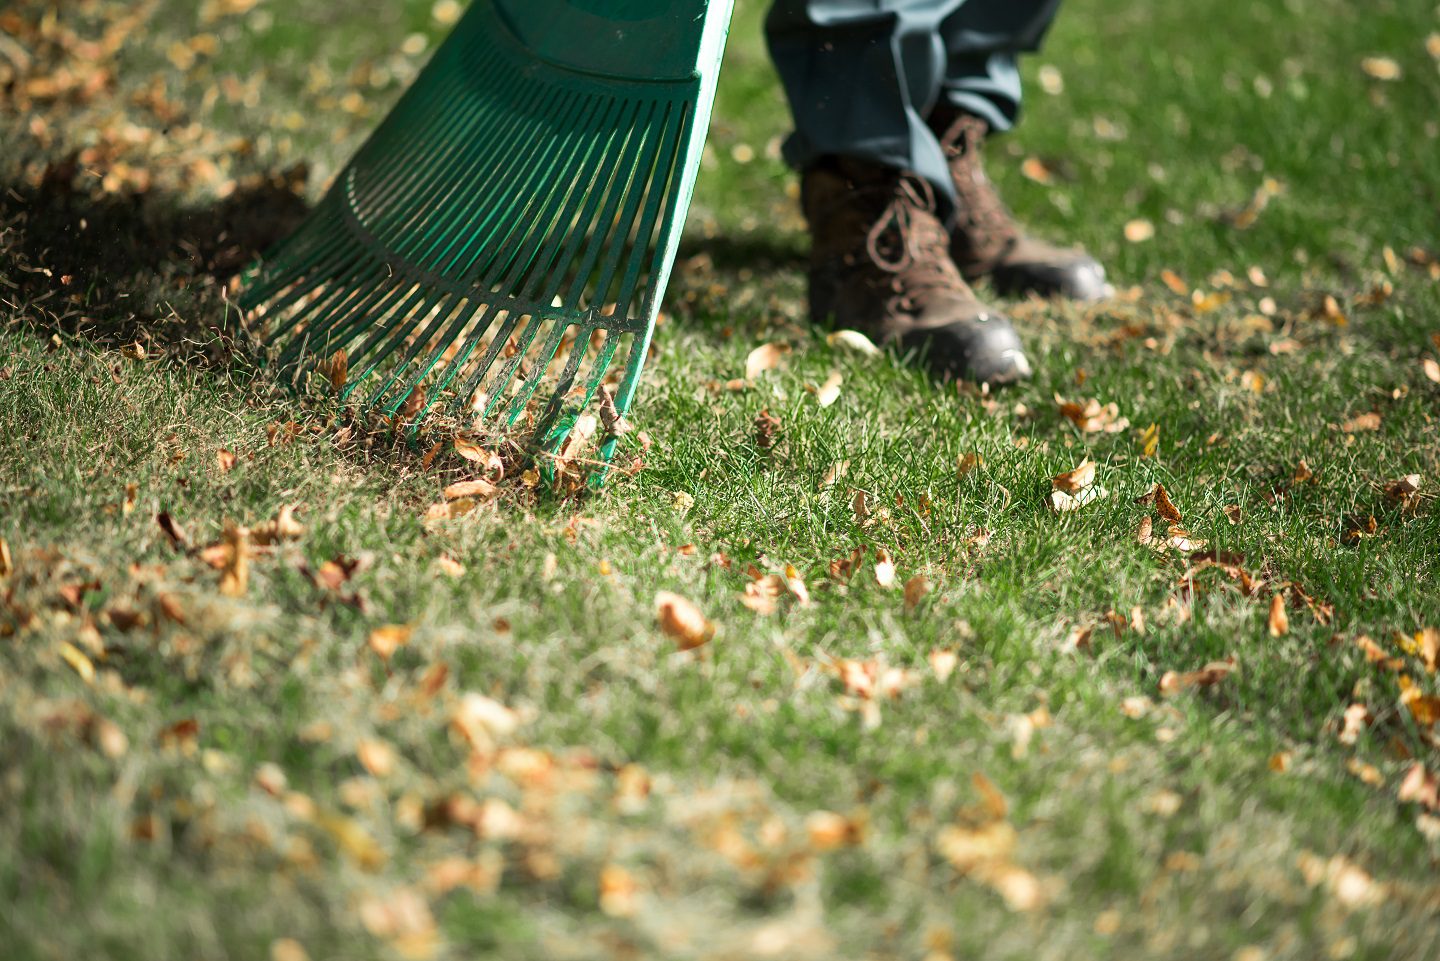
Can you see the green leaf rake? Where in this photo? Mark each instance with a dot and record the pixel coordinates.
(512, 222)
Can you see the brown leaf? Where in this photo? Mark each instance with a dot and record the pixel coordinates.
(225, 460)
(1165, 506)
(284, 527)
(610, 417)
(482, 489)
(1076, 479)
(7, 565)
(682, 621)
(763, 358)
(1403, 491)
(335, 369)
(1145, 532)
(1361, 422)
(414, 402)
(1211, 674)
(1279, 621)
(915, 590)
(767, 427)
(1424, 708)
(968, 462)
(173, 531)
(1090, 416)
(389, 638)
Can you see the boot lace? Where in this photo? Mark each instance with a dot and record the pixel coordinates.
(908, 242)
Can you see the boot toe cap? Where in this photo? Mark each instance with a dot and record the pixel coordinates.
(1079, 278)
(985, 351)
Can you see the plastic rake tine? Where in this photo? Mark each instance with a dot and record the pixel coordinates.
(540, 167)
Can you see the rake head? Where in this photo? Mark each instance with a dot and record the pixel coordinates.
(512, 223)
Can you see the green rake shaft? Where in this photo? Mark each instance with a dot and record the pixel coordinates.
(523, 202)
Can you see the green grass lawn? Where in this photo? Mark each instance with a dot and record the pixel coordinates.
(395, 736)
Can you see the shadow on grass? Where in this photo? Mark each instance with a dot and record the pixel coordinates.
(125, 268)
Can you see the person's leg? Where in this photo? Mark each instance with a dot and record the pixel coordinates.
(862, 77)
(982, 39)
(980, 96)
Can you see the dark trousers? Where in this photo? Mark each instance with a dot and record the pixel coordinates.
(862, 76)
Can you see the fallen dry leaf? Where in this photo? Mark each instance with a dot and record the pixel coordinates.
(852, 340)
(829, 392)
(1381, 68)
(1403, 491)
(283, 527)
(173, 531)
(943, 663)
(1431, 369)
(1173, 682)
(335, 369)
(763, 358)
(968, 462)
(389, 638)
(235, 576)
(1090, 416)
(1361, 422)
(1076, 479)
(915, 590)
(481, 489)
(1139, 230)
(1356, 718)
(1424, 708)
(682, 621)
(1420, 786)
(225, 460)
(767, 428)
(884, 569)
(1279, 621)
(482, 721)
(1061, 502)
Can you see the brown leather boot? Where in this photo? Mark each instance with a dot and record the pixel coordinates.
(880, 263)
(985, 239)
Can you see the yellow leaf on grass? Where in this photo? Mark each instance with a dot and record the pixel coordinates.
(1381, 68)
(1150, 440)
(235, 576)
(1139, 230)
(78, 661)
(353, 840)
(386, 640)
